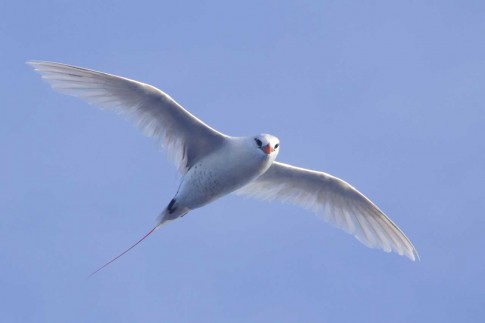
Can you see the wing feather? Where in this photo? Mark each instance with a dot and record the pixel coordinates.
(185, 137)
(336, 201)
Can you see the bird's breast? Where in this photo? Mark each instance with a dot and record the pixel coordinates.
(219, 174)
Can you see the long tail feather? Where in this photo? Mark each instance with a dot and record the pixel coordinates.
(121, 254)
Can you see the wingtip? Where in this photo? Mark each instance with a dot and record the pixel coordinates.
(34, 63)
(412, 255)
(416, 256)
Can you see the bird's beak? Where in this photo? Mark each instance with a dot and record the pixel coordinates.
(267, 149)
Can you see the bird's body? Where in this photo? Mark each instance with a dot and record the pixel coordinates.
(232, 166)
(213, 164)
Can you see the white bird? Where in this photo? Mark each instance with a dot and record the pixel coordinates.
(213, 164)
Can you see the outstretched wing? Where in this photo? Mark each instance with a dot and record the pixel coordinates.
(186, 138)
(336, 201)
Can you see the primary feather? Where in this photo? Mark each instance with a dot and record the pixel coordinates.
(185, 137)
(336, 201)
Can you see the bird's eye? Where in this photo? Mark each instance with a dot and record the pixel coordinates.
(258, 142)
(276, 146)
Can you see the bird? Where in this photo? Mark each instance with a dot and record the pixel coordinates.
(212, 164)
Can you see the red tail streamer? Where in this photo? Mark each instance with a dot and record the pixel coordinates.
(121, 254)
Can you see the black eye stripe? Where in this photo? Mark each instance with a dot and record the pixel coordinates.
(258, 142)
(276, 146)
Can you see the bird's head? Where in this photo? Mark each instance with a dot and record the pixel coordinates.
(268, 144)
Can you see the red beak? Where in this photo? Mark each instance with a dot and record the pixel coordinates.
(267, 149)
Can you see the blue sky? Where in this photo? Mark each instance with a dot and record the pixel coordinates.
(388, 95)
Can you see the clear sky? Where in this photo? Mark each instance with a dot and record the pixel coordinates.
(388, 95)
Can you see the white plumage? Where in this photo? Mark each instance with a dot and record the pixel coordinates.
(213, 164)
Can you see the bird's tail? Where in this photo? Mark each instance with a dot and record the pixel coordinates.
(121, 254)
(164, 216)
(170, 213)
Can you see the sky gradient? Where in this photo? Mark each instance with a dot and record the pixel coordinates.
(388, 96)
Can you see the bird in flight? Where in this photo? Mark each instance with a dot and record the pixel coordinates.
(213, 164)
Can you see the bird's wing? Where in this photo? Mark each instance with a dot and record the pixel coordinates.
(186, 138)
(336, 201)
